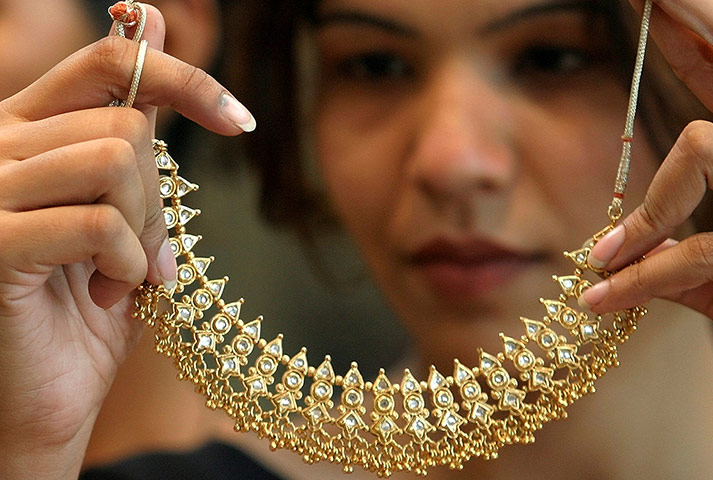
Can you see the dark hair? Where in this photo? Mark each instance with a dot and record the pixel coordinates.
(98, 12)
(266, 45)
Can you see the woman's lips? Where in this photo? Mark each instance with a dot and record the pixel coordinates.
(462, 270)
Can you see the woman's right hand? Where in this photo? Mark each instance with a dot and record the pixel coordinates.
(80, 227)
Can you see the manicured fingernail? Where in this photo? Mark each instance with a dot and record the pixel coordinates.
(594, 295)
(167, 266)
(607, 248)
(237, 113)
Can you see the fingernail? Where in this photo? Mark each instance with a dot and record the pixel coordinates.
(237, 113)
(607, 248)
(167, 266)
(594, 295)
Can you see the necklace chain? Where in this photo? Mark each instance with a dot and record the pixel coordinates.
(380, 425)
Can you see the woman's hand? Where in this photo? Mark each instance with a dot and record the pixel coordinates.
(680, 271)
(80, 227)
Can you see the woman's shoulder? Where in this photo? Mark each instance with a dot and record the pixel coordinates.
(213, 461)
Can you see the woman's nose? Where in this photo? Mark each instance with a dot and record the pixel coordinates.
(463, 146)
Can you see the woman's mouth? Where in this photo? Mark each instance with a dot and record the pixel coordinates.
(467, 269)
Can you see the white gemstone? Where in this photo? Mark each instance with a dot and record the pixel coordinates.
(352, 379)
(293, 380)
(450, 420)
(184, 313)
(165, 189)
(547, 340)
(274, 349)
(414, 404)
(324, 372)
(569, 319)
(243, 345)
(552, 308)
(205, 341)
(524, 360)
(486, 364)
(174, 248)
(462, 374)
(215, 288)
(251, 330)
(229, 364)
(266, 365)
(565, 354)
(221, 324)
(352, 398)
(188, 242)
(511, 399)
(169, 217)
(163, 160)
(232, 309)
(202, 299)
(285, 402)
(186, 274)
(498, 379)
(321, 391)
(257, 384)
(350, 421)
(443, 398)
(470, 391)
(532, 328)
(410, 386)
(580, 257)
(385, 426)
(299, 363)
(479, 411)
(418, 425)
(567, 283)
(539, 378)
(316, 414)
(588, 329)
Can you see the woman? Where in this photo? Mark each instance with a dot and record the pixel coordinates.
(439, 189)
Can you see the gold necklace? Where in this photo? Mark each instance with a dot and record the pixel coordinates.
(382, 425)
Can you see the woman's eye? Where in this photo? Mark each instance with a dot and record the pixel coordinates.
(374, 66)
(552, 60)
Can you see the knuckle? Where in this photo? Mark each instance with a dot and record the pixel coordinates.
(116, 158)
(651, 216)
(127, 123)
(695, 140)
(103, 224)
(193, 80)
(155, 226)
(108, 55)
(698, 250)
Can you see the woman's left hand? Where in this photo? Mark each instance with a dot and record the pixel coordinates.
(679, 271)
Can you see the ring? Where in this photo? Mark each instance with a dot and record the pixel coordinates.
(138, 68)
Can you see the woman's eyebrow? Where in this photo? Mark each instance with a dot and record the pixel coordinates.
(539, 9)
(360, 18)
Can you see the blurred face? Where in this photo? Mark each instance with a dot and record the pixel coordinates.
(35, 35)
(466, 144)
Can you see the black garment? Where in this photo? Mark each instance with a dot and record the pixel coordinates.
(214, 461)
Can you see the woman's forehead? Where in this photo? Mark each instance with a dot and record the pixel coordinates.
(476, 15)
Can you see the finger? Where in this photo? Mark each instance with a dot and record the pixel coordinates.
(682, 29)
(74, 127)
(38, 241)
(127, 125)
(676, 190)
(97, 171)
(101, 72)
(681, 272)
